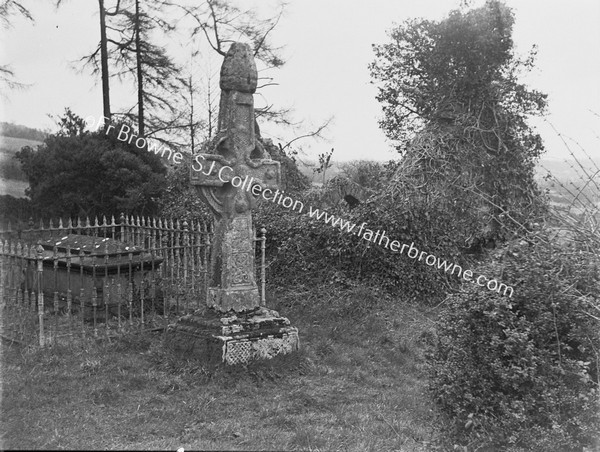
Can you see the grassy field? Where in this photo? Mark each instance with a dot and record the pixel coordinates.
(357, 384)
(10, 145)
(14, 188)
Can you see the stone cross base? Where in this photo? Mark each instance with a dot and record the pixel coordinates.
(233, 299)
(235, 339)
(243, 350)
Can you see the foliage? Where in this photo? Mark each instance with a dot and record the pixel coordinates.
(301, 248)
(11, 169)
(8, 9)
(522, 373)
(132, 48)
(292, 179)
(148, 65)
(367, 174)
(324, 163)
(180, 199)
(15, 210)
(76, 172)
(355, 183)
(453, 104)
(221, 22)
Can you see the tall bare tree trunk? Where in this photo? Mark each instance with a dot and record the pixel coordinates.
(104, 63)
(210, 113)
(192, 124)
(138, 57)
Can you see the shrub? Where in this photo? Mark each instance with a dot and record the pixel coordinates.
(16, 211)
(80, 173)
(180, 199)
(300, 248)
(522, 372)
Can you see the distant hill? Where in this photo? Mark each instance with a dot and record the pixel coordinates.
(15, 188)
(11, 145)
(8, 129)
(570, 180)
(567, 169)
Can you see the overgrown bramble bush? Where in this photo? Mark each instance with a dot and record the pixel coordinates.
(300, 248)
(522, 373)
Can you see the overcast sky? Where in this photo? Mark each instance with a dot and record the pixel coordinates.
(327, 49)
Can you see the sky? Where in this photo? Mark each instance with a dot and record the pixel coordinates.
(327, 48)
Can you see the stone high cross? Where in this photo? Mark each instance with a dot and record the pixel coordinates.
(226, 176)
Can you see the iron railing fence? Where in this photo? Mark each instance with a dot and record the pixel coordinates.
(73, 278)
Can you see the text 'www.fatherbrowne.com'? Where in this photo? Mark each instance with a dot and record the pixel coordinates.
(394, 245)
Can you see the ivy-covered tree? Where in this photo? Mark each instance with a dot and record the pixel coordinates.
(455, 108)
(77, 172)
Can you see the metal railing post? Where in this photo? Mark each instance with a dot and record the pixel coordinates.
(263, 241)
(40, 291)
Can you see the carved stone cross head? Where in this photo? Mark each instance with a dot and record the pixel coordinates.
(235, 154)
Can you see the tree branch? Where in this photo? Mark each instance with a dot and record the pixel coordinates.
(316, 133)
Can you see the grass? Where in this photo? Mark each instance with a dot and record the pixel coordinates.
(12, 187)
(11, 145)
(357, 384)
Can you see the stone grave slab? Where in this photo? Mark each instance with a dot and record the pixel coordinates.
(91, 265)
